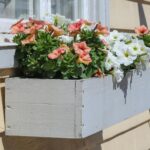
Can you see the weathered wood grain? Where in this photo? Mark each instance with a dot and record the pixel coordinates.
(48, 107)
(73, 108)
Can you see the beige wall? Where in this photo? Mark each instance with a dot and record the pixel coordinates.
(124, 14)
(132, 134)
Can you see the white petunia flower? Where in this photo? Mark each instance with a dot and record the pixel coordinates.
(62, 19)
(111, 62)
(144, 49)
(117, 46)
(124, 55)
(78, 37)
(118, 74)
(65, 38)
(135, 49)
(115, 36)
(86, 27)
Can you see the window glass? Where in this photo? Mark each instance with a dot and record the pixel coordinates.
(17, 8)
(63, 7)
(94, 10)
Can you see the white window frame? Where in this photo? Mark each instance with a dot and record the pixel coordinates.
(45, 8)
(100, 10)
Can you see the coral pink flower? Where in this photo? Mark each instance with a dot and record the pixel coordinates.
(85, 59)
(29, 30)
(81, 48)
(38, 22)
(74, 28)
(101, 30)
(56, 53)
(29, 39)
(142, 30)
(54, 30)
(83, 51)
(33, 25)
(17, 27)
(29, 27)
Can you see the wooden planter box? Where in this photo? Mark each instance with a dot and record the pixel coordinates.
(72, 108)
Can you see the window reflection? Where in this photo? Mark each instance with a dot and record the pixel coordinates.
(63, 7)
(17, 8)
(31, 8)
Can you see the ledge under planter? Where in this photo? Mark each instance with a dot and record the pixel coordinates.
(73, 108)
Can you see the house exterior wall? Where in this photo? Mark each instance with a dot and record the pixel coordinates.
(127, 14)
(132, 134)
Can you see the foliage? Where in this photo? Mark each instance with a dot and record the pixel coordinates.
(76, 50)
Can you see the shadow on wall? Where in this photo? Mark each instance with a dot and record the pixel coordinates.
(142, 16)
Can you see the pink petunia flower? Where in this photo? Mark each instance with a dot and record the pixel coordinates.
(83, 51)
(18, 27)
(57, 52)
(81, 48)
(100, 29)
(74, 28)
(29, 39)
(29, 27)
(142, 30)
(55, 31)
(85, 59)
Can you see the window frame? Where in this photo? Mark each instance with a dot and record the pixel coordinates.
(7, 22)
(45, 8)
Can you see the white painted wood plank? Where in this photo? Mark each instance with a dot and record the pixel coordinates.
(55, 92)
(92, 112)
(78, 124)
(94, 104)
(106, 106)
(7, 59)
(5, 44)
(6, 24)
(42, 120)
(48, 108)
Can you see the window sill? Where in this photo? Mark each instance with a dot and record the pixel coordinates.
(6, 44)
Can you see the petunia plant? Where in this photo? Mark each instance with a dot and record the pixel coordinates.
(77, 50)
